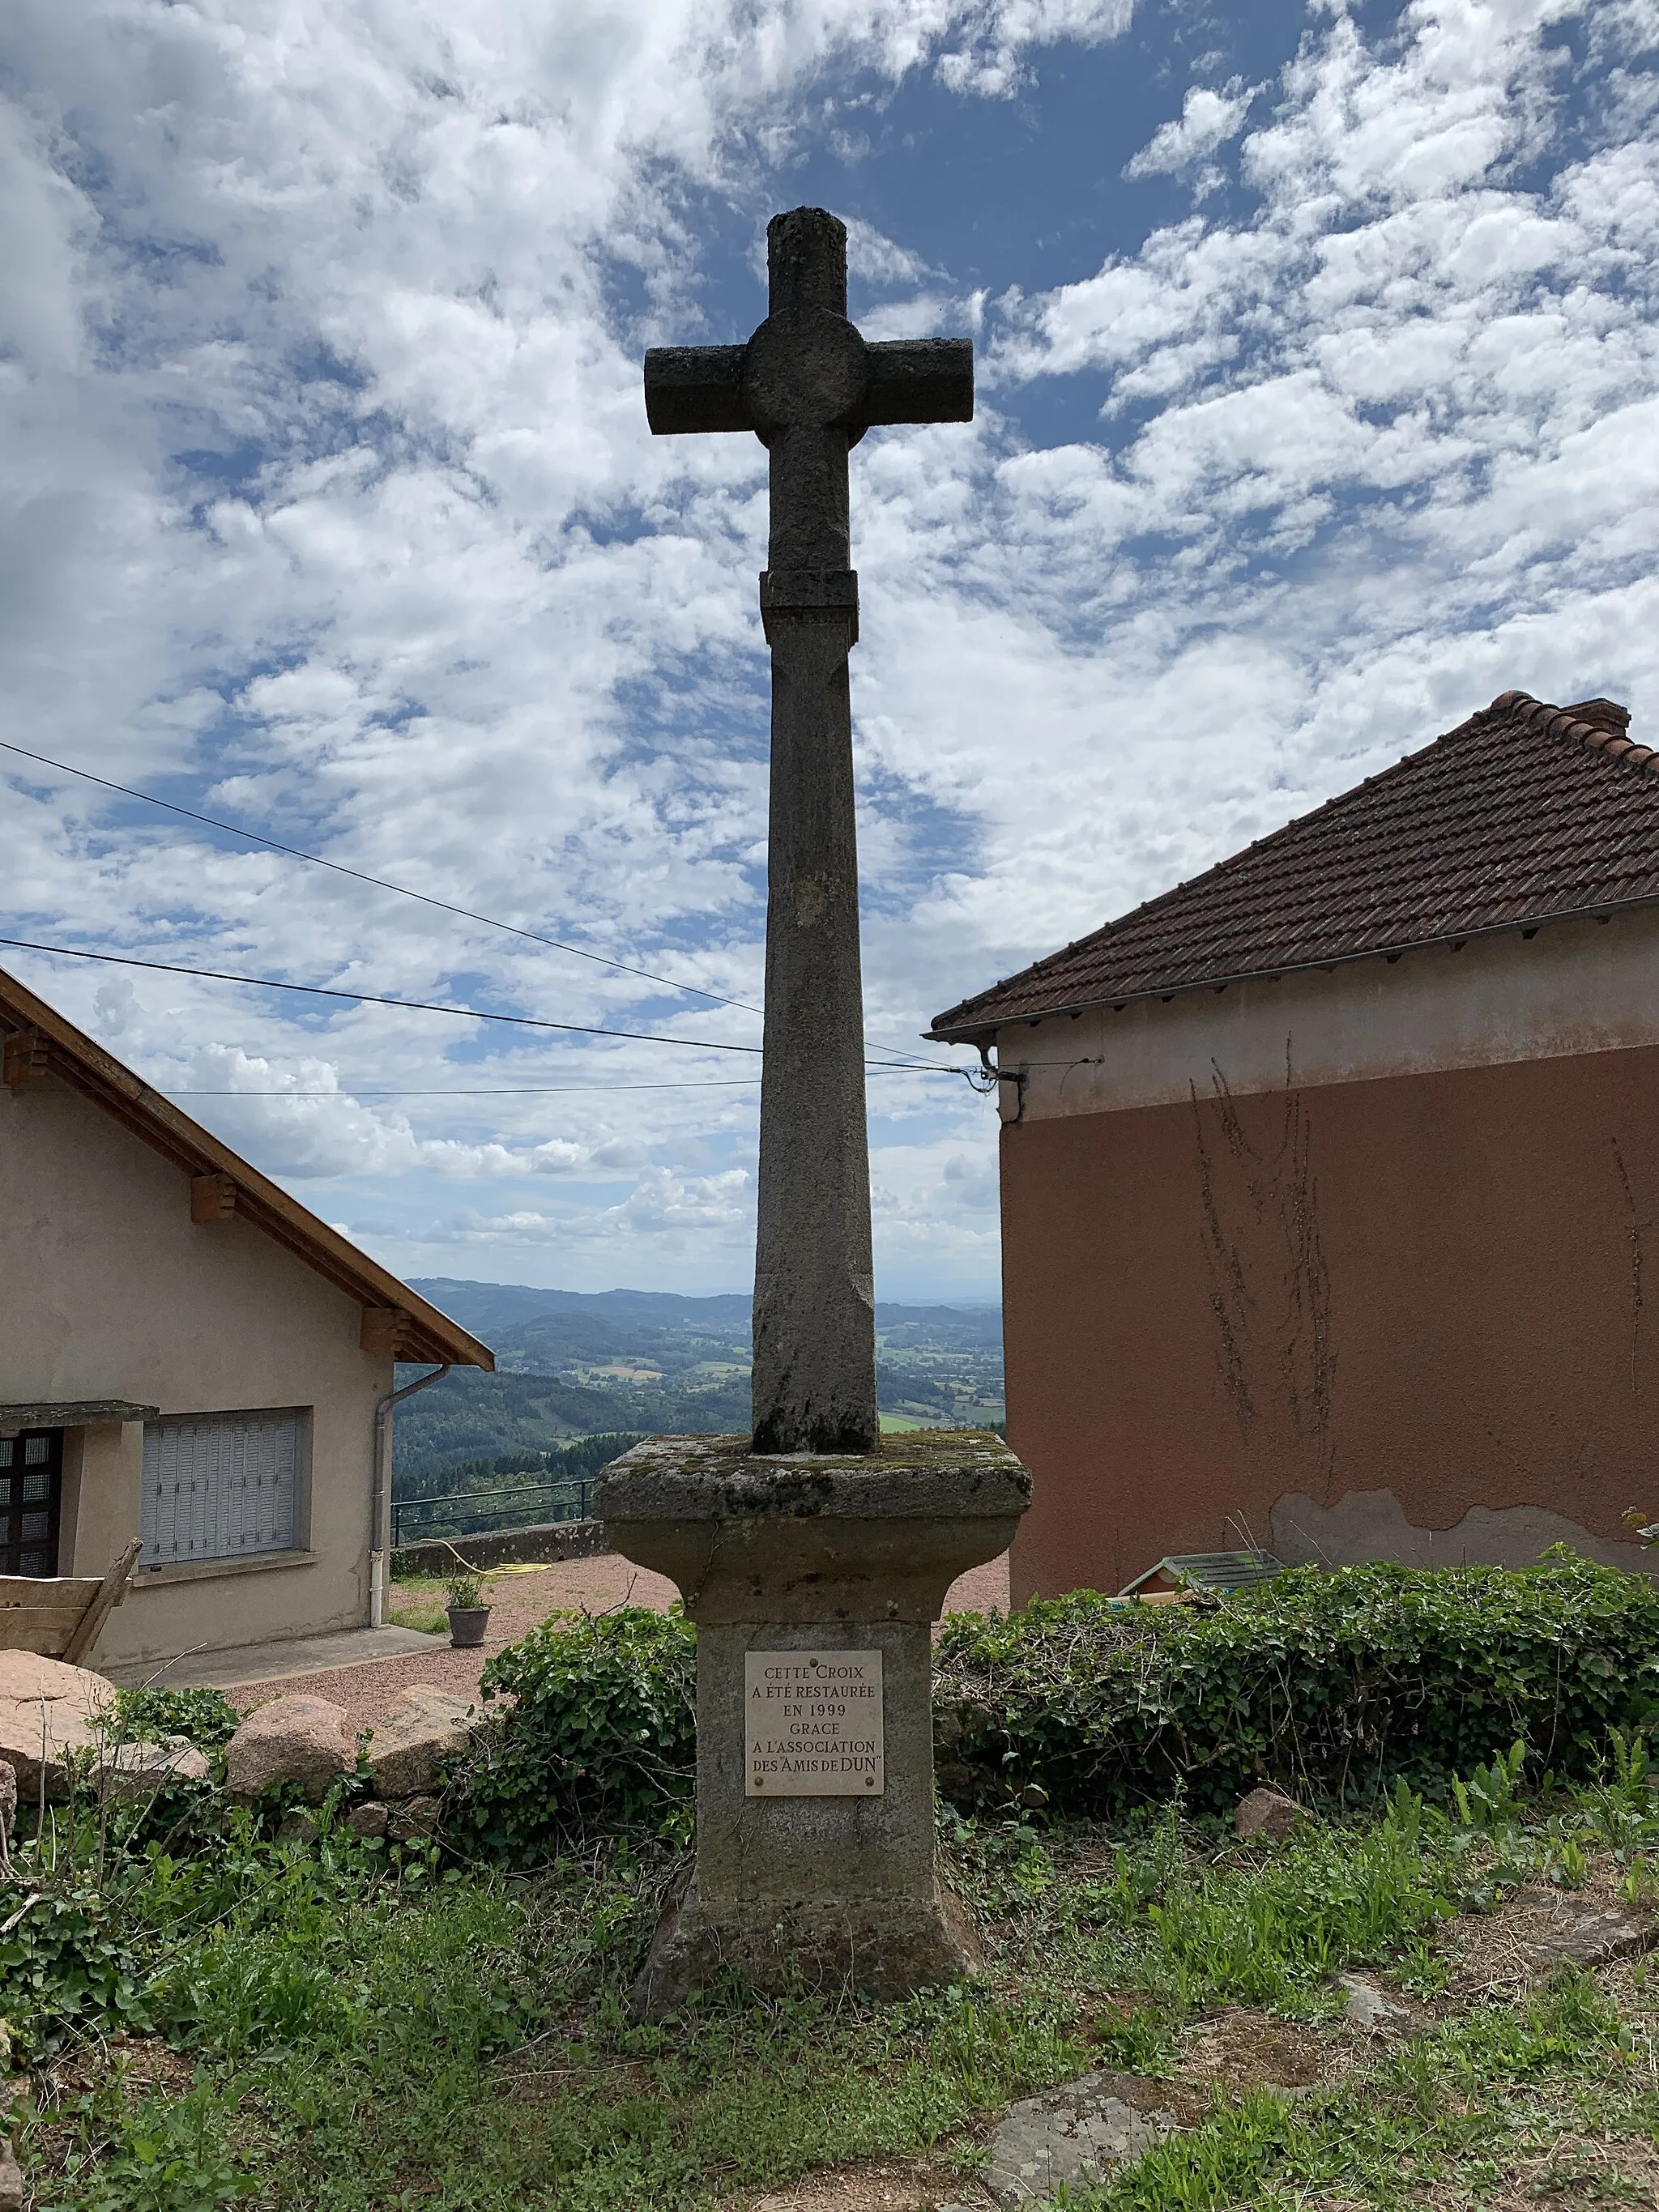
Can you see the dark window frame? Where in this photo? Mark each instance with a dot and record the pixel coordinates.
(35, 1556)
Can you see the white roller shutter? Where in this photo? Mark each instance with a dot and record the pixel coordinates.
(217, 1486)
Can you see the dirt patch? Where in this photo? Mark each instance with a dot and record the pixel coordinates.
(143, 2064)
(1537, 1930)
(872, 2186)
(148, 2069)
(1189, 2101)
(1245, 2050)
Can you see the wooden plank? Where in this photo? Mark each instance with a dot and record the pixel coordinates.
(24, 1064)
(41, 1614)
(386, 1329)
(51, 1592)
(107, 1595)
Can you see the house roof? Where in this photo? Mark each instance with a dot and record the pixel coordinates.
(1525, 813)
(52, 1046)
(1211, 1570)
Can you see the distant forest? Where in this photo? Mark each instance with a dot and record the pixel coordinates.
(571, 1462)
(625, 1363)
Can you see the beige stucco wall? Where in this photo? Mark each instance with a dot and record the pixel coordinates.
(108, 1290)
(1575, 986)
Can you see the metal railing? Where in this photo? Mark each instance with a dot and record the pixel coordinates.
(480, 1512)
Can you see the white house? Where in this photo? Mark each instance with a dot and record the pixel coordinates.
(188, 1355)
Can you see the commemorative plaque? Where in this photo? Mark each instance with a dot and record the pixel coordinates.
(813, 1724)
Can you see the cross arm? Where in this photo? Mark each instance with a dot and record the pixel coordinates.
(921, 381)
(690, 388)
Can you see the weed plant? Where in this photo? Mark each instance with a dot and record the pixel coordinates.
(1337, 1685)
(371, 2031)
(204, 1717)
(354, 2026)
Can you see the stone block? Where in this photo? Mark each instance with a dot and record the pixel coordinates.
(140, 1770)
(417, 1822)
(48, 1713)
(816, 1556)
(300, 1827)
(1581, 1932)
(303, 1740)
(811, 1537)
(1375, 2010)
(369, 1820)
(1073, 2136)
(1267, 1813)
(425, 1727)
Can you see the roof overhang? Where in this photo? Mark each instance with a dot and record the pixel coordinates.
(983, 1032)
(396, 1318)
(1132, 959)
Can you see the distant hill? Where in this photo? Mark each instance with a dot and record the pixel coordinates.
(483, 1307)
(575, 1362)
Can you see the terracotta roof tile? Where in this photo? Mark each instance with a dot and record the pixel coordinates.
(1523, 813)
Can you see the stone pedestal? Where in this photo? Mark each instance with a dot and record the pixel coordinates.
(814, 1814)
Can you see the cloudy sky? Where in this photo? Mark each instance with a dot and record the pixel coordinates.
(1319, 401)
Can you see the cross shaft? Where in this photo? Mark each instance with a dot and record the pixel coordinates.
(809, 385)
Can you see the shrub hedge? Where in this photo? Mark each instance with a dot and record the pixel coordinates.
(1335, 1683)
(600, 1737)
(1338, 1684)
(206, 1718)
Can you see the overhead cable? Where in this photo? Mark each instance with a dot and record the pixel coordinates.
(375, 998)
(380, 883)
(383, 883)
(537, 1090)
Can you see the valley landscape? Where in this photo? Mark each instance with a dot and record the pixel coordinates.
(572, 1365)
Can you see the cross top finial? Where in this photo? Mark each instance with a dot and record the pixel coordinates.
(806, 262)
(806, 367)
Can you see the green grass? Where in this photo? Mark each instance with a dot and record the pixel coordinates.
(370, 2034)
(430, 1620)
(1458, 2102)
(420, 1604)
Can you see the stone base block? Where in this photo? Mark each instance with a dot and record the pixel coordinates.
(887, 1947)
(815, 1808)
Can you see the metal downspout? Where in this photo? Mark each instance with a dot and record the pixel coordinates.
(382, 1516)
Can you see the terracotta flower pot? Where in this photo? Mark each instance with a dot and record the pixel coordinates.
(467, 1624)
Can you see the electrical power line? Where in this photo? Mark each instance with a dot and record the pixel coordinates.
(374, 998)
(482, 1090)
(536, 1090)
(382, 883)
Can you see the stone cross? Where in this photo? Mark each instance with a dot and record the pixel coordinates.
(811, 1563)
(809, 386)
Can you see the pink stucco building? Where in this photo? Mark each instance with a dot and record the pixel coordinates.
(1330, 1179)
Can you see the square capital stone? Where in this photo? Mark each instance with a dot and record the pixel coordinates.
(806, 1536)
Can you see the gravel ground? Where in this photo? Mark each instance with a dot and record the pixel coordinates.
(518, 1599)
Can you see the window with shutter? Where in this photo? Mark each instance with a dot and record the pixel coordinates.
(217, 1486)
(31, 1495)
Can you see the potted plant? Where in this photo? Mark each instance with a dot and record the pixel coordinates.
(468, 1615)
